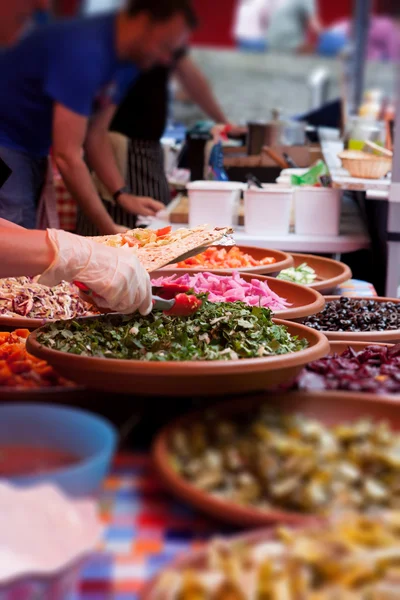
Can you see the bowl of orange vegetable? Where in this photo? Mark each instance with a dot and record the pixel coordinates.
(25, 377)
(225, 260)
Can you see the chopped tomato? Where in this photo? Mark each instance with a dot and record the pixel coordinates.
(163, 231)
(131, 241)
(22, 333)
(221, 258)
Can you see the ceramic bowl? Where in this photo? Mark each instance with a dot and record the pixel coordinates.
(186, 378)
(332, 408)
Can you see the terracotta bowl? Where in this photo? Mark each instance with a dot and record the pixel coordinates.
(12, 323)
(283, 261)
(55, 395)
(304, 301)
(331, 408)
(372, 337)
(330, 273)
(190, 378)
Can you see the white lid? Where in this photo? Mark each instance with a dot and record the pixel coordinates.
(272, 188)
(216, 186)
(316, 189)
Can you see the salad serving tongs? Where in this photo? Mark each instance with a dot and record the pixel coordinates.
(172, 299)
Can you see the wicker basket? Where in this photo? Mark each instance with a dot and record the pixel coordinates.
(364, 165)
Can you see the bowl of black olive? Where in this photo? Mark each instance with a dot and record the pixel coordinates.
(353, 319)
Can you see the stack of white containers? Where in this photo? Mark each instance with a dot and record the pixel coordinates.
(214, 202)
(269, 211)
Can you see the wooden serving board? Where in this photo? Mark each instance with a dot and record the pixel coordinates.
(180, 213)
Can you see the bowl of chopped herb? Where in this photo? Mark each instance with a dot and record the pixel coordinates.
(223, 348)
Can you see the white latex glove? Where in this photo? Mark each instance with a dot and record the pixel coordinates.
(115, 274)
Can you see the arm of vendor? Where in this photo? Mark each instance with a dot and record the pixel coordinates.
(101, 157)
(72, 110)
(198, 88)
(52, 78)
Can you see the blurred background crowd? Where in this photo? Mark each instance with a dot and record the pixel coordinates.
(236, 61)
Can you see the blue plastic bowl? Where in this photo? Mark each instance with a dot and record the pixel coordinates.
(71, 430)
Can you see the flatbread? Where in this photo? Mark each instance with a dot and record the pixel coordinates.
(157, 252)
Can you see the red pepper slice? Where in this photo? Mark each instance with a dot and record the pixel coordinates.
(168, 291)
(185, 306)
(81, 286)
(163, 231)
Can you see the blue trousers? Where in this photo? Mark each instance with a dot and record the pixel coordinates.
(252, 46)
(20, 195)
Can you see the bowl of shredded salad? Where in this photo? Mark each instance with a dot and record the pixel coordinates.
(247, 259)
(24, 303)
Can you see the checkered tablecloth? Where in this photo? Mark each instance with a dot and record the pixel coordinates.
(145, 529)
(356, 287)
(67, 207)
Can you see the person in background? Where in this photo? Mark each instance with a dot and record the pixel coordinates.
(383, 42)
(138, 125)
(291, 23)
(250, 25)
(115, 274)
(50, 80)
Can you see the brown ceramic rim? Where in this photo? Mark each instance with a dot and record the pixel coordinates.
(312, 303)
(331, 407)
(149, 377)
(371, 337)
(11, 323)
(44, 394)
(283, 261)
(339, 271)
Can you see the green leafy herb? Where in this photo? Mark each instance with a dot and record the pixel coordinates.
(218, 331)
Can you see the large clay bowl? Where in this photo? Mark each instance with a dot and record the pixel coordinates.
(304, 301)
(283, 261)
(330, 273)
(330, 409)
(372, 337)
(191, 378)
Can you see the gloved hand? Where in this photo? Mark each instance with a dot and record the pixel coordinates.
(115, 274)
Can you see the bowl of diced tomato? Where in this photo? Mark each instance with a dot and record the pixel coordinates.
(24, 377)
(223, 259)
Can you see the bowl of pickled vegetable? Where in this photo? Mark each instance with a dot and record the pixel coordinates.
(352, 319)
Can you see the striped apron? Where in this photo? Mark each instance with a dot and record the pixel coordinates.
(146, 177)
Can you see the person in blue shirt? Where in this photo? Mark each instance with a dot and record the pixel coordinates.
(50, 81)
(115, 274)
